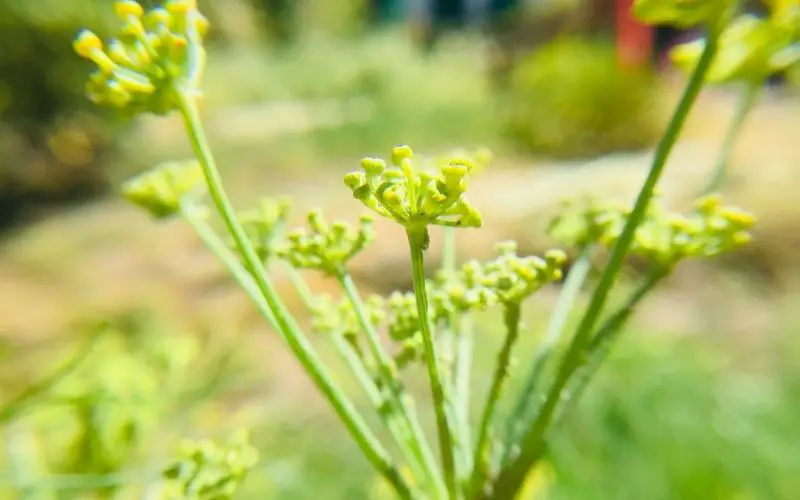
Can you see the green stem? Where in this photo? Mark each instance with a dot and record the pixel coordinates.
(601, 346)
(511, 477)
(20, 403)
(287, 326)
(463, 388)
(459, 331)
(416, 241)
(416, 440)
(605, 336)
(397, 427)
(449, 249)
(745, 105)
(483, 445)
(526, 402)
(243, 278)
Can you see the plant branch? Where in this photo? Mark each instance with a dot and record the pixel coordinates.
(17, 406)
(416, 241)
(387, 370)
(512, 313)
(287, 326)
(746, 102)
(605, 336)
(460, 330)
(526, 401)
(512, 477)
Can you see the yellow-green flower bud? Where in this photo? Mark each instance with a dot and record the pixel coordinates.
(163, 190)
(155, 55)
(328, 247)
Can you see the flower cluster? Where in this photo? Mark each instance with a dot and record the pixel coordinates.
(207, 470)
(506, 279)
(664, 237)
(326, 248)
(584, 221)
(163, 189)
(329, 317)
(751, 48)
(412, 198)
(708, 230)
(264, 225)
(481, 158)
(474, 287)
(154, 54)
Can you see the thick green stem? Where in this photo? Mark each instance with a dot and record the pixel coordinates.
(401, 402)
(287, 326)
(745, 105)
(511, 478)
(483, 445)
(416, 242)
(527, 400)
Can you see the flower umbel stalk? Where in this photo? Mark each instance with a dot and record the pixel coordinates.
(417, 241)
(566, 302)
(287, 327)
(605, 336)
(512, 477)
(483, 447)
(459, 331)
(744, 106)
(415, 437)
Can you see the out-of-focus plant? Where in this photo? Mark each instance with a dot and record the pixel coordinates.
(206, 470)
(98, 414)
(569, 98)
(155, 65)
(752, 49)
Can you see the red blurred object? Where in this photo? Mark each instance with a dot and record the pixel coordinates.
(634, 39)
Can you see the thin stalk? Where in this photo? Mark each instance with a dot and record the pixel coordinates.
(744, 106)
(243, 278)
(526, 402)
(605, 336)
(287, 326)
(511, 477)
(17, 406)
(416, 440)
(446, 447)
(483, 446)
(463, 388)
(459, 372)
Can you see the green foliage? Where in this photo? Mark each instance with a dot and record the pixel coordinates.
(210, 471)
(569, 98)
(683, 419)
(99, 424)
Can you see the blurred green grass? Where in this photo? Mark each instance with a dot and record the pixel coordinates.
(690, 416)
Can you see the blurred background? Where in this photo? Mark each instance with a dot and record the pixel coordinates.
(699, 402)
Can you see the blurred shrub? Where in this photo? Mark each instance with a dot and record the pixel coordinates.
(50, 147)
(570, 99)
(98, 428)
